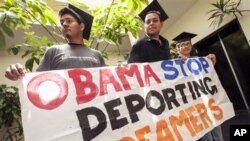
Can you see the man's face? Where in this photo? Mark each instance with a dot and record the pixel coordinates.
(70, 26)
(185, 47)
(152, 24)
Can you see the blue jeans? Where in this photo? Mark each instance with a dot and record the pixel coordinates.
(213, 135)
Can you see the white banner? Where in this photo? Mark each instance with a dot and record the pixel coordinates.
(166, 100)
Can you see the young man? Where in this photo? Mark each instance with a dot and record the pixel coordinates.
(76, 25)
(184, 47)
(153, 47)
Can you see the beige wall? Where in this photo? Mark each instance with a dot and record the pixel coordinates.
(195, 21)
(245, 20)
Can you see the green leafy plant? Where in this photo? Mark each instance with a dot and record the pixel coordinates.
(10, 113)
(113, 22)
(34, 48)
(15, 14)
(173, 50)
(222, 8)
(134, 4)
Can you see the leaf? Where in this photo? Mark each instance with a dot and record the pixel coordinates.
(212, 11)
(7, 30)
(144, 1)
(2, 40)
(2, 17)
(29, 64)
(216, 5)
(25, 54)
(15, 50)
(214, 15)
(51, 18)
(130, 4)
(221, 5)
(220, 20)
(37, 60)
(240, 13)
(136, 6)
(11, 15)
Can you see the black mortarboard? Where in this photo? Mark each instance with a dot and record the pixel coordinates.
(184, 36)
(154, 7)
(82, 16)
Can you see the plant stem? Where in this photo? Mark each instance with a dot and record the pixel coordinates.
(105, 23)
(105, 47)
(118, 47)
(41, 24)
(236, 10)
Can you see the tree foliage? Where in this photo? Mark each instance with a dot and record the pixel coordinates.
(15, 14)
(113, 22)
(10, 113)
(34, 47)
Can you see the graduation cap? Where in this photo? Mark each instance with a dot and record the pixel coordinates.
(184, 36)
(154, 7)
(82, 16)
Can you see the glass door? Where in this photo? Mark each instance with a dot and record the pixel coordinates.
(232, 51)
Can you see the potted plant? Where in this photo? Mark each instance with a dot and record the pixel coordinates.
(222, 8)
(10, 114)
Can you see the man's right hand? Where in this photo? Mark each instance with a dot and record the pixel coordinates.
(15, 71)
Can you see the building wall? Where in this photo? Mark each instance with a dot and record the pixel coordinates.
(245, 20)
(195, 20)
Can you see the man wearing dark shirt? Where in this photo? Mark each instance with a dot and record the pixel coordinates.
(153, 47)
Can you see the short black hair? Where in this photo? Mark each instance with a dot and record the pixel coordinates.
(81, 17)
(71, 12)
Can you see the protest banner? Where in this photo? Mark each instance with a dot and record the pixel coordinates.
(169, 100)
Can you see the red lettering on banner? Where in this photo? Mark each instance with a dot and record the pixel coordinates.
(133, 70)
(148, 72)
(106, 77)
(34, 84)
(81, 86)
(86, 88)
